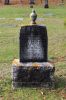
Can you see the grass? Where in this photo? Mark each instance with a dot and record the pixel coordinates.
(9, 49)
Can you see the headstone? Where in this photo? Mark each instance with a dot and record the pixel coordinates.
(33, 44)
(6, 1)
(31, 2)
(33, 67)
(46, 4)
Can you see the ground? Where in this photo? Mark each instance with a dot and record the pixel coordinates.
(11, 19)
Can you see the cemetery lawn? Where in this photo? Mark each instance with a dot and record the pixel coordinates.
(11, 19)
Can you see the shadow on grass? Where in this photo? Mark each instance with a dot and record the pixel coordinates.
(60, 82)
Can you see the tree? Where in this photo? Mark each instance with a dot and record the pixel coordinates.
(46, 4)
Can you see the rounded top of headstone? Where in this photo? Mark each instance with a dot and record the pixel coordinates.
(33, 16)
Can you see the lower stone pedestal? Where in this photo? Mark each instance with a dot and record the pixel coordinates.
(32, 74)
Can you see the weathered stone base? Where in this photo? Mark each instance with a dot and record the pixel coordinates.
(33, 84)
(32, 74)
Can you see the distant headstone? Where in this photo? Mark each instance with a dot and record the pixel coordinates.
(6, 1)
(31, 2)
(46, 4)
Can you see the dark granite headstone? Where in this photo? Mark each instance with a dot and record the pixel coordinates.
(33, 44)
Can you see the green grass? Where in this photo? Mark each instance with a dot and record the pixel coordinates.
(9, 49)
(16, 11)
